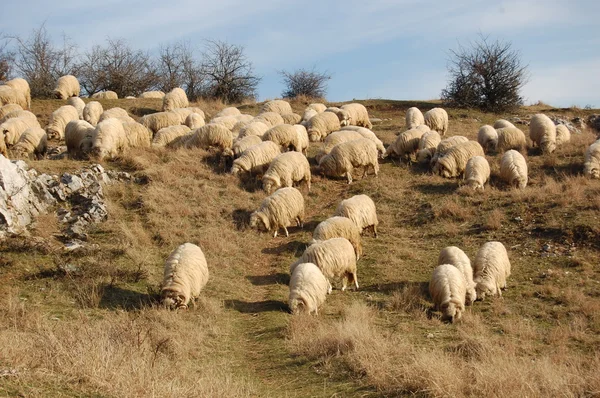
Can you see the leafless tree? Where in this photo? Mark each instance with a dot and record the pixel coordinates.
(177, 67)
(230, 75)
(7, 58)
(486, 76)
(304, 82)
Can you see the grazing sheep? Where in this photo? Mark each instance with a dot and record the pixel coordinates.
(339, 227)
(22, 87)
(358, 115)
(271, 119)
(303, 141)
(285, 136)
(427, 146)
(33, 141)
(118, 113)
(137, 135)
(194, 120)
(7, 109)
(319, 126)
(454, 162)
(513, 169)
(78, 104)
(92, 112)
(291, 118)
(501, 123)
(591, 165)
(254, 128)
(9, 95)
(487, 138)
(344, 157)
(285, 170)
(109, 139)
(563, 134)
(239, 126)
(542, 132)
(278, 106)
(228, 122)
(342, 115)
(413, 118)
(18, 113)
(241, 144)
(279, 210)
(256, 159)
(491, 269)
(175, 98)
(454, 256)
(185, 274)
(307, 115)
(335, 257)
(12, 129)
(67, 86)
(244, 118)
(212, 136)
(445, 145)
(308, 289)
(105, 95)
(437, 119)
(152, 94)
(477, 172)
(317, 106)
(183, 113)
(79, 138)
(511, 138)
(366, 133)
(448, 291)
(335, 138)
(160, 120)
(405, 145)
(230, 111)
(361, 210)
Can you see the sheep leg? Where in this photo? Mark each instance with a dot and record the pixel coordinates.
(286, 232)
(355, 280)
(349, 177)
(344, 284)
(275, 234)
(374, 230)
(329, 287)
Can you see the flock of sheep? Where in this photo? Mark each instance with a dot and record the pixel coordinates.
(273, 145)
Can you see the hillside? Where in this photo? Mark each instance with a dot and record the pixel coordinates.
(98, 331)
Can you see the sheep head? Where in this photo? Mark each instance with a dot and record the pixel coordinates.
(173, 300)
(483, 289)
(591, 169)
(424, 155)
(450, 312)
(260, 221)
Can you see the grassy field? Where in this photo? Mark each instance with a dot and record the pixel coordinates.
(98, 332)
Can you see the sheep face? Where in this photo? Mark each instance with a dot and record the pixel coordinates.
(344, 116)
(235, 169)
(85, 146)
(450, 312)
(259, 221)
(327, 165)
(591, 170)
(98, 153)
(314, 136)
(484, 289)
(443, 170)
(173, 301)
(476, 186)
(297, 307)
(58, 94)
(548, 147)
(269, 185)
(521, 183)
(424, 156)
(52, 133)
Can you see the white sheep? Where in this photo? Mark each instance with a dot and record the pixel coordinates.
(256, 159)
(211, 136)
(477, 172)
(109, 139)
(513, 169)
(254, 128)
(487, 136)
(284, 135)
(67, 86)
(116, 112)
(8, 108)
(511, 138)
(413, 118)
(367, 133)
(542, 132)
(9, 95)
(271, 119)
(361, 210)
(79, 138)
(342, 115)
(437, 119)
(339, 227)
(241, 144)
(279, 210)
(33, 142)
(230, 111)
(448, 291)
(185, 275)
(285, 170)
(183, 113)
(59, 119)
(291, 118)
(501, 123)
(335, 138)
(175, 98)
(307, 115)
(22, 87)
(159, 120)
(12, 129)
(308, 289)
(454, 256)
(491, 269)
(226, 121)
(317, 106)
(194, 120)
(167, 135)
(591, 164)
(428, 146)
(563, 134)
(278, 106)
(303, 140)
(445, 145)
(335, 257)
(78, 104)
(454, 162)
(92, 112)
(346, 156)
(137, 135)
(105, 95)
(319, 126)
(18, 113)
(357, 115)
(405, 145)
(245, 118)
(152, 94)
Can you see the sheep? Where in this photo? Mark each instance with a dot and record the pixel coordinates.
(307, 115)
(12, 129)
(78, 104)
(513, 169)
(152, 94)
(109, 139)
(8, 108)
(226, 121)
(445, 145)
(454, 162)
(167, 135)
(105, 95)
(367, 133)
(291, 118)
(271, 119)
(256, 159)
(501, 123)
(448, 291)
(405, 145)
(18, 113)
(33, 141)
(230, 111)
(279, 210)
(317, 107)
(116, 112)
(591, 165)
(437, 119)
(487, 136)
(319, 126)
(211, 136)
(66, 86)
(342, 115)
(92, 112)
(159, 120)
(185, 275)
(335, 257)
(10, 95)
(427, 146)
(563, 134)
(361, 210)
(183, 113)
(137, 135)
(511, 138)
(79, 138)
(285, 136)
(335, 138)
(344, 157)
(358, 115)
(285, 170)
(175, 98)
(542, 132)
(413, 118)
(302, 137)
(491, 269)
(194, 120)
(454, 256)
(59, 119)
(240, 145)
(339, 227)
(22, 87)
(477, 172)
(253, 128)
(245, 118)
(235, 130)
(308, 289)
(278, 106)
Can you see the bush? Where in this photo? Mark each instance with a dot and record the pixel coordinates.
(311, 83)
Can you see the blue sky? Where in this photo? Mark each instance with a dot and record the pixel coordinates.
(395, 49)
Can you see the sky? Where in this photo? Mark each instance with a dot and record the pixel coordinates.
(392, 49)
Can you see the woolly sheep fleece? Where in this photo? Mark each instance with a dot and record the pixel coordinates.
(9, 95)
(137, 135)
(427, 146)
(291, 118)
(14, 127)
(256, 159)
(591, 164)
(79, 138)
(175, 98)
(241, 144)
(152, 94)
(33, 142)
(405, 145)
(308, 289)
(92, 112)
(542, 132)
(477, 172)
(487, 136)
(357, 115)
(448, 291)
(317, 106)
(511, 138)
(335, 257)
(344, 157)
(278, 106)
(491, 269)
(413, 118)
(285, 170)
(165, 136)
(366, 133)
(211, 136)
(185, 275)
(159, 120)
(67, 86)
(455, 256)
(279, 210)
(303, 141)
(112, 137)
(454, 162)
(285, 136)
(445, 145)
(563, 134)
(18, 113)
(22, 87)
(271, 119)
(339, 227)
(106, 95)
(59, 119)
(229, 111)
(254, 128)
(194, 120)
(361, 210)
(307, 115)
(8, 108)
(226, 121)
(513, 169)
(437, 119)
(335, 138)
(501, 123)
(319, 126)
(78, 104)
(115, 112)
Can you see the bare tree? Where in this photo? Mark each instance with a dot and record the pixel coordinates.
(177, 67)
(487, 76)
(230, 75)
(304, 82)
(7, 58)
